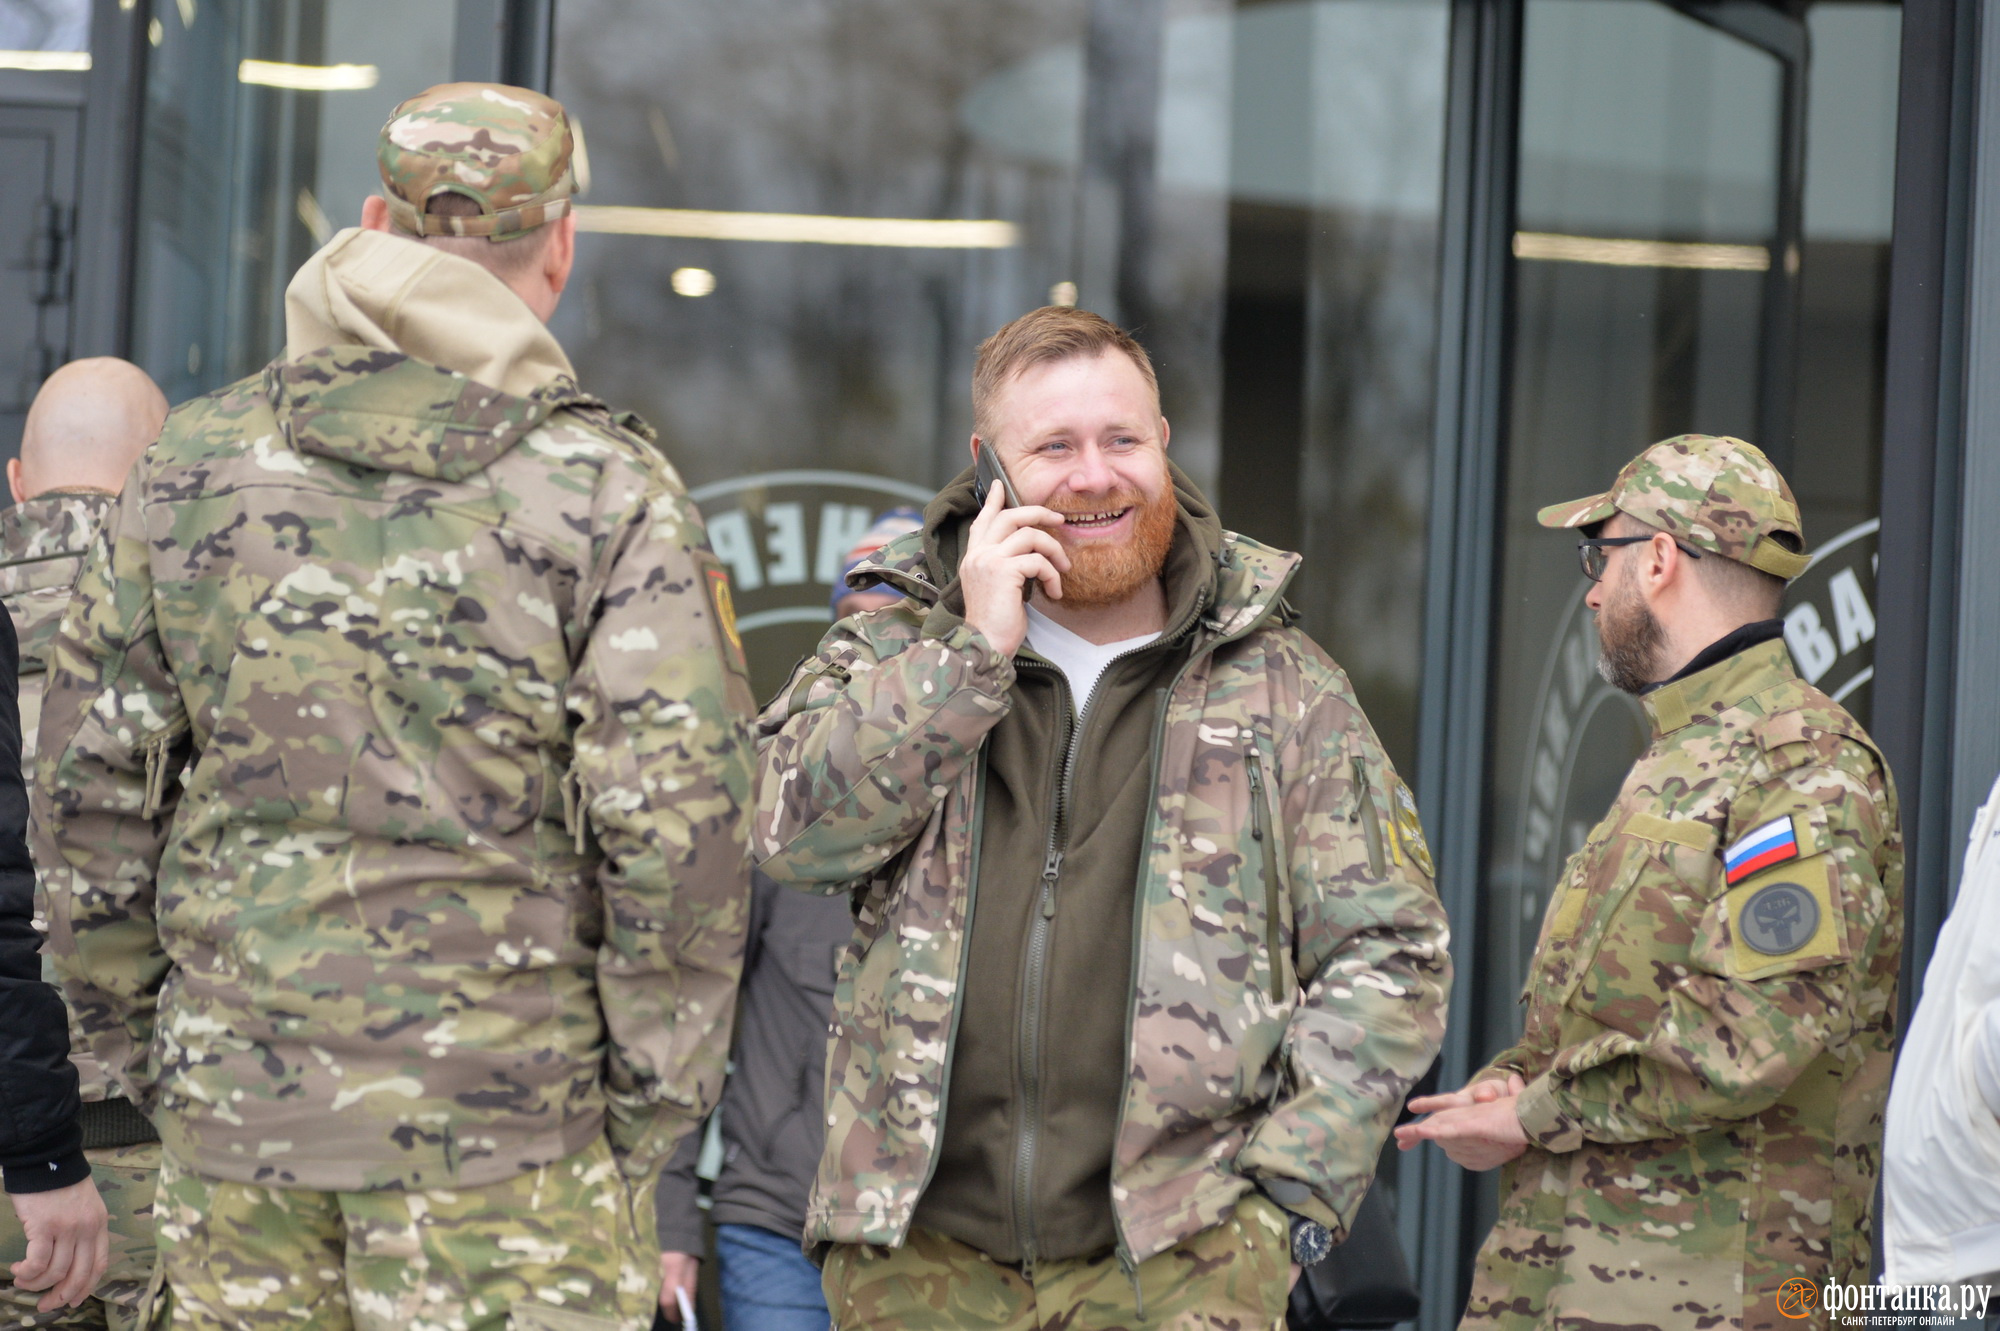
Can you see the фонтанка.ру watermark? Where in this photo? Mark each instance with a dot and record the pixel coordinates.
(1883, 1305)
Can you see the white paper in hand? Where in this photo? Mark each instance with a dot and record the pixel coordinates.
(689, 1322)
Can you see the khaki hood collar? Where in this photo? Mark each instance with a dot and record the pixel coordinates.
(372, 289)
(402, 357)
(1245, 579)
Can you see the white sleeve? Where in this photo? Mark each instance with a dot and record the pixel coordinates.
(1985, 1048)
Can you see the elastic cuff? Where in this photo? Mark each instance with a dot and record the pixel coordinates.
(1544, 1120)
(61, 1172)
(950, 631)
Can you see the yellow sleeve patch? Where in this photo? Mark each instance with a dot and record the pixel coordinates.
(1409, 829)
(1787, 918)
(715, 580)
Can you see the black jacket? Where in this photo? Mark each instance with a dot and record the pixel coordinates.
(41, 1142)
(771, 1106)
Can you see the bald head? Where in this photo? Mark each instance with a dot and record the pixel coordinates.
(88, 425)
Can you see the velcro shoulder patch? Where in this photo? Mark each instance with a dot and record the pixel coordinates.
(722, 605)
(1782, 920)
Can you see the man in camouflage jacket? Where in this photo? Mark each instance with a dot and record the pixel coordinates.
(394, 761)
(1692, 1118)
(1145, 959)
(87, 425)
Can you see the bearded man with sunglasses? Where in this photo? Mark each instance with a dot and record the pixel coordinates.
(1692, 1117)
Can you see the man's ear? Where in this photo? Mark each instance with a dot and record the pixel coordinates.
(1166, 432)
(375, 213)
(975, 448)
(1665, 560)
(14, 481)
(559, 255)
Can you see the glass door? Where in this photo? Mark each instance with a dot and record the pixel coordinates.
(1654, 256)
(1700, 244)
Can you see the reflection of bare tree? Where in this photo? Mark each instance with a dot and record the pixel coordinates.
(805, 355)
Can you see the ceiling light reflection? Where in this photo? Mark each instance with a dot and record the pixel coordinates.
(45, 60)
(800, 228)
(308, 78)
(1555, 248)
(692, 281)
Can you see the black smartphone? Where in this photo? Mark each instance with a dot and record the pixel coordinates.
(988, 472)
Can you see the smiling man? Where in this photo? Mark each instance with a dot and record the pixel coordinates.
(1147, 952)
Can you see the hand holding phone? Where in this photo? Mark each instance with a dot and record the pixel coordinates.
(1011, 547)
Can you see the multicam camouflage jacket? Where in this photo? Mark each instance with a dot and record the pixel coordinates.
(42, 544)
(394, 763)
(1709, 1018)
(1290, 972)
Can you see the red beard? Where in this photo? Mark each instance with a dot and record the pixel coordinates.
(1105, 574)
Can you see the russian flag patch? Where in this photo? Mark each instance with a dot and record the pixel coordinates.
(1773, 843)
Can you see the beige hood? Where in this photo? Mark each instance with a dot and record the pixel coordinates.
(372, 289)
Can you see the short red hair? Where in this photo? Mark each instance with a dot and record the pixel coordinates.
(1039, 337)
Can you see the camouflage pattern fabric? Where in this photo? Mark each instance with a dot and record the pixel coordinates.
(126, 1177)
(43, 542)
(1290, 976)
(1714, 492)
(392, 782)
(1707, 1063)
(507, 149)
(1235, 1276)
(568, 1246)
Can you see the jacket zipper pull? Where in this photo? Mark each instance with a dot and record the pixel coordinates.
(1138, 1295)
(1255, 768)
(1051, 868)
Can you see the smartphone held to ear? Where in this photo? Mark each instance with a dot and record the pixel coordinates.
(987, 473)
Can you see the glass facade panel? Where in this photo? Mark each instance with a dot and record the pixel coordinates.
(1647, 221)
(1836, 446)
(1253, 189)
(259, 132)
(1659, 288)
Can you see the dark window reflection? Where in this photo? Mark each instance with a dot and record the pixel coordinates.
(1254, 189)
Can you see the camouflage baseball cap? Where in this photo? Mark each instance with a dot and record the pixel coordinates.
(506, 149)
(1716, 493)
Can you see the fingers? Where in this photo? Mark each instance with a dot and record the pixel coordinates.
(32, 1271)
(995, 523)
(1514, 1084)
(1431, 1104)
(1037, 568)
(77, 1276)
(61, 1274)
(1031, 540)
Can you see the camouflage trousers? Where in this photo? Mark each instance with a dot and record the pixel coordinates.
(568, 1247)
(1235, 1276)
(125, 1176)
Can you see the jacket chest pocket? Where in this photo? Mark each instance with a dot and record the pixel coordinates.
(1264, 873)
(1635, 941)
(1228, 866)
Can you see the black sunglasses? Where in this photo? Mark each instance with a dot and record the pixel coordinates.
(1591, 552)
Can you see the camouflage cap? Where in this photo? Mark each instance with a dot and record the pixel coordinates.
(1716, 493)
(506, 149)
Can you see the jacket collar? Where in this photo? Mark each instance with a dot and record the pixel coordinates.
(52, 525)
(1708, 693)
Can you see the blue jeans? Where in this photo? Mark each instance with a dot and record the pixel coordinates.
(767, 1283)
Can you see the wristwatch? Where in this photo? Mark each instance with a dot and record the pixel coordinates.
(1311, 1241)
